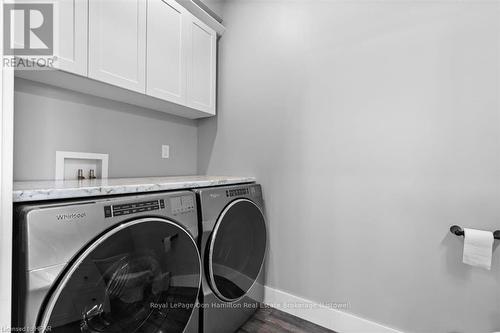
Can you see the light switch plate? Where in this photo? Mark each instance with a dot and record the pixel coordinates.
(165, 151)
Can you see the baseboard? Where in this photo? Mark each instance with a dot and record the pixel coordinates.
(328, 317)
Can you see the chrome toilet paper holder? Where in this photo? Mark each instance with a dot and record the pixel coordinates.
(458, 231)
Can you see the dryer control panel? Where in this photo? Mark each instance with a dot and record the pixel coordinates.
(237, 192)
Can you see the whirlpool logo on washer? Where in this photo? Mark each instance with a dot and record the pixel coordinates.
(70, 217)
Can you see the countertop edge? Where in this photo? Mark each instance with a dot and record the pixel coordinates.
(85, 191)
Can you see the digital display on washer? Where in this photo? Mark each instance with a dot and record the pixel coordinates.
(132, 208)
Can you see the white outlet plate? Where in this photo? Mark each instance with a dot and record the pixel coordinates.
(165, 151)
(68, 163)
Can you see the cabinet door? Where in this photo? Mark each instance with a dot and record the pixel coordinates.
(201, 67)
(73, 40)
(117, 43)
(70, 29)
(166, 56)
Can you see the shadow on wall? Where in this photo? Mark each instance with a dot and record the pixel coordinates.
(207, 127)
(36, 88)
(207, 132)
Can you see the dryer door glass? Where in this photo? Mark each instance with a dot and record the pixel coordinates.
(237, 249)
(142, 276)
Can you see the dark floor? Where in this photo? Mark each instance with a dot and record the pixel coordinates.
(271, 320)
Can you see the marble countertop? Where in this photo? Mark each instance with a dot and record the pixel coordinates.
(64, 189)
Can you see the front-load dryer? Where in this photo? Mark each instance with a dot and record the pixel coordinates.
(233, 241)
(122, 264)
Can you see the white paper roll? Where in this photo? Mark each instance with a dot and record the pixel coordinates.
(478, 248)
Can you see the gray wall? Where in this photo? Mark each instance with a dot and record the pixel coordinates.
(48, 119)
(373, 126)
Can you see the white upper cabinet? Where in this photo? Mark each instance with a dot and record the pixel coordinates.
(70, 27)
(117, 43)
(72, 23)
(201, 67)
(134, 50)
(166, 55)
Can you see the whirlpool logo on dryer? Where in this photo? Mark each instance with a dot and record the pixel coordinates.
(69, 217)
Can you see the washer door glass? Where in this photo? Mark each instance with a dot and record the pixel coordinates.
(237, 249)
(142, 276)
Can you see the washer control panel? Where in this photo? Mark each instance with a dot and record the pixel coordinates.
(132, 208)
(182, 204)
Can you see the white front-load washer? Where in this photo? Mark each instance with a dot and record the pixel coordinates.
(121, 264)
